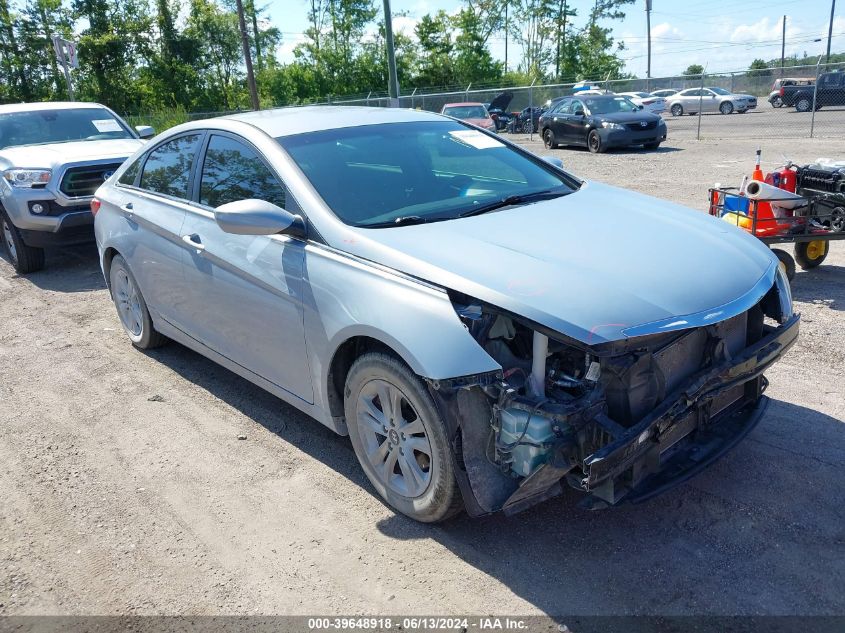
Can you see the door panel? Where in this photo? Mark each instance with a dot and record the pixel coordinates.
(245, 291)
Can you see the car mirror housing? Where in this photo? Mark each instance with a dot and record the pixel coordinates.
(579, 112)
(258, 217)
(145, 131)
(554, 160)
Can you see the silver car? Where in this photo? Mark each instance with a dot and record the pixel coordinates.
(483, 325)
(695, 100)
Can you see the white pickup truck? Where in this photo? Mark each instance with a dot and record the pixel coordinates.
(53, 157)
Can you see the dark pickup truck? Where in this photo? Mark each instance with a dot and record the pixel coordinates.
(830, 92)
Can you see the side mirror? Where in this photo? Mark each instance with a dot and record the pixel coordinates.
(579, 112)
(258, 217)
(145, 131)
(554, 160)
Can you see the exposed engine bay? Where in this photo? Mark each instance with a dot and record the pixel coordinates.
(609, 418)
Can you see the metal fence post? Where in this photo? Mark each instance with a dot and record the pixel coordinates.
(531, 110)
(466, 92)
(700, 99)
(815, 92)
(732, 83)
(412, 98)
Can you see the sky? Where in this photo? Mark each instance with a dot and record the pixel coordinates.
(723, 35)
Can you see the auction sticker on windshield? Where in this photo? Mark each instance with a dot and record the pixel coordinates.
(107, 125)
(476, 139)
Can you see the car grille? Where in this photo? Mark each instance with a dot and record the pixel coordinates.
(637, 127)
(84, 181)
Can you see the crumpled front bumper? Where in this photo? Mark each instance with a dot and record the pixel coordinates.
(694, 426)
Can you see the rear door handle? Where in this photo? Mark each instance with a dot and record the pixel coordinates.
(194, 241)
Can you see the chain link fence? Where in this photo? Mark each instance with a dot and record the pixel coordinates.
(769, 119)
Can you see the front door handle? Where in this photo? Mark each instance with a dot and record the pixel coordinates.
(194, 241)
(127, 211)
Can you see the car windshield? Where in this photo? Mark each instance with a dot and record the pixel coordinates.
(39, 127)
(609, 105)
(720, 91)
(398, 173)
(466, 112)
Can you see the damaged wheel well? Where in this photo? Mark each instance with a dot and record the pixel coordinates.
(348, 352)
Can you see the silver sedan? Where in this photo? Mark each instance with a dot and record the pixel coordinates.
(483, 325)
(695, 100)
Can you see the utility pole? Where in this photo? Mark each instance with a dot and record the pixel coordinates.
(830, 29)
(250, 75)
(783, 46)
(392, 79)
(648, 29)
(506, 37)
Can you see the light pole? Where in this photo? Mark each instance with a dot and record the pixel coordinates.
(648, 33)
(830, 29)
(392, 79)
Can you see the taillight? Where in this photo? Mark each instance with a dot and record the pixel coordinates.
(95, 206)
(781, 91)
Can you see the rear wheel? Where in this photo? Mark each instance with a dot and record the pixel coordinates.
(804, 104)
(777, 102)
(594, 143)
(549, 139)
(787, 264)
(400, 439)
(131, 307)
(726, 108)
(25, 259)
(677, 109)
(810, 254)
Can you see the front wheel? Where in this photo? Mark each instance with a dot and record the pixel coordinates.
(399, 438)
(677, 109)
(594, 142)
(25, 259)
(652, 145)
(131, 307)
(810, 254)
(726, 108)
(549, 139)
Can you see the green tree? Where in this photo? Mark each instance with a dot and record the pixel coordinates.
(436, 66)
(694, 70)
(759, 68)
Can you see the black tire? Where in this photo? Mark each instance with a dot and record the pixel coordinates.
(594, 143)
(549, 139)
(777, 102)
(25, 259)
(146, 337)
(677, 110)
(804, 104)
(652, 145)
(726, 107)
(786, 261)
(441, 498)
(811, 254)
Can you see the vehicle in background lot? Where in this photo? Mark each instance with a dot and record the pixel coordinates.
(526, 121)
(53, 156)
(665, 93)
(830, 91)
(655, 105)
(600, 123)
(397, 275)
(472, 112)
(712, 99)
(498, 110)
(774, 96)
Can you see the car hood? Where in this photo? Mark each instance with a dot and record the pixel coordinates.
(58, 154)
(502, 101)
(628, 117)
(743, 96)
(479, 122)
(598, 265)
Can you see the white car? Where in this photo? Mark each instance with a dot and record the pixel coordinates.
(650, 103)
(693, 100)
(665, 93)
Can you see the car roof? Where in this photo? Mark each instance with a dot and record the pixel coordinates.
(463, 103)
(298, 120)
(46, 105)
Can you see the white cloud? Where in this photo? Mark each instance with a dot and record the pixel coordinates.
(764, 30)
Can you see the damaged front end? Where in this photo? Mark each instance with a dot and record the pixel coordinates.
(622, 420)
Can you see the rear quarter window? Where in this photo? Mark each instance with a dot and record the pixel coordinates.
(168, 167)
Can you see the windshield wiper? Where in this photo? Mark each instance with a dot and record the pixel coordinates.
(514, 200)
(402, 220)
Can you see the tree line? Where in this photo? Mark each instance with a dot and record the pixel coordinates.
(149, 55)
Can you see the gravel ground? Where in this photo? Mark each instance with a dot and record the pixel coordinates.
(125, 488)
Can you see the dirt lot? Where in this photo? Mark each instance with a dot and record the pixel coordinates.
(125, 488)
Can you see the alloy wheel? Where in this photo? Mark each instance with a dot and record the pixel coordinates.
(395, 438)
(128, 304)
(9, 240)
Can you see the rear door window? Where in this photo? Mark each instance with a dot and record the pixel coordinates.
(168, 167)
